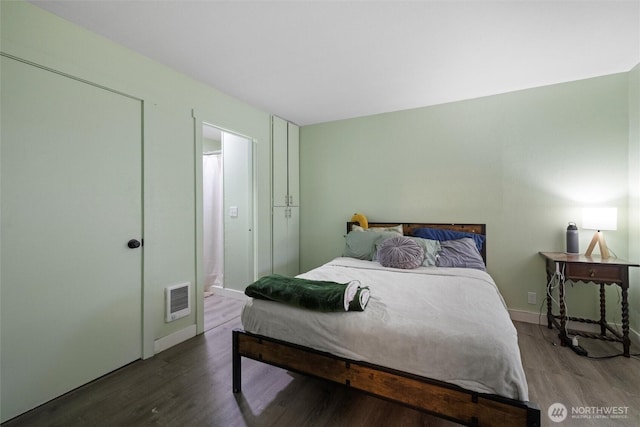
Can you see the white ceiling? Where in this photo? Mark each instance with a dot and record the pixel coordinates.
(318, 61)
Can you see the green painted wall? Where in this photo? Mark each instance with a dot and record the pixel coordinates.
(170, 102)
(524, 163)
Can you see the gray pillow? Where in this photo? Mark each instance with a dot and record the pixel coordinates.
(460, 253)
(431, 249)
(362, 244)
(400, 252)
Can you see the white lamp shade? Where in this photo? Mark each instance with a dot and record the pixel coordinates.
(600, 218)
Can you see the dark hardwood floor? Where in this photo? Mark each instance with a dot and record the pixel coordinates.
(219, 309)
(190, 385)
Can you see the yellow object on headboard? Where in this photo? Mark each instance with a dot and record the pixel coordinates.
(360, 219)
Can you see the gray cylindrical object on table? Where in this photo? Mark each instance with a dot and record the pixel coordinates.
(572, 239)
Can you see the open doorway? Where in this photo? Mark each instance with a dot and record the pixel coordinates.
(227, 216)
(212, 209)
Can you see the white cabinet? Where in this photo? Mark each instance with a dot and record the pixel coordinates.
(286, 170)
(286, 238)
(286, 197)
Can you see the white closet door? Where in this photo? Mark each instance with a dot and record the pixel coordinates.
(286, 237)
(280, 249)
(293, 149)
(279, 163)
(71, 200)
(293, 230)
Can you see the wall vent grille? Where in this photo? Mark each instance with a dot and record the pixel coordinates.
(178, 301)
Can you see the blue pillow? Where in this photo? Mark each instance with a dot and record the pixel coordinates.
(444, 235)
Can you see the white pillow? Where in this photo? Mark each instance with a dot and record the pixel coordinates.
(395, 229)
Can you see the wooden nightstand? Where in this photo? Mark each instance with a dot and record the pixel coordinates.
(580, 268)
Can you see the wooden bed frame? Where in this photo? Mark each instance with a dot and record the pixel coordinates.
(438, 398)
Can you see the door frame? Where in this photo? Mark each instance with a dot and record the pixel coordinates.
(198, 123)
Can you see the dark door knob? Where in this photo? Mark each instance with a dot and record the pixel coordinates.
(133, 243)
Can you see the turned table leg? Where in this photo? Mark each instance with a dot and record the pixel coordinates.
(550, 277)
(563, 313)
(626, 342)
(603, 311)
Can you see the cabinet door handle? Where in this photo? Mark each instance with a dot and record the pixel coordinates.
(286, 199)
(290, 200)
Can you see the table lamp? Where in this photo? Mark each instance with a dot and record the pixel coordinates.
(599, 219)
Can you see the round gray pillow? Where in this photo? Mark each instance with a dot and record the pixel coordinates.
(400, 252)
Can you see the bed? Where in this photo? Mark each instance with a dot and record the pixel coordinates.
(432, 338)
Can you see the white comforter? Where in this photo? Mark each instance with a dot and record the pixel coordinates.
(449, 324)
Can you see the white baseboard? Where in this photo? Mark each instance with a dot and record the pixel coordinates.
(528, 317)
(232, 293)
(161, 344)
(537, 319)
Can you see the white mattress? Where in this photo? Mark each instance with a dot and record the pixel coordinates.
(449, 324)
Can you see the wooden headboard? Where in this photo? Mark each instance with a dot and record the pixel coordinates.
(408, 228)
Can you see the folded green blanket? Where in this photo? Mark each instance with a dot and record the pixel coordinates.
(360, 300)
(317, 295)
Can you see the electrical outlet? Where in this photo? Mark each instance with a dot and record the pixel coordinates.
(532, 298)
